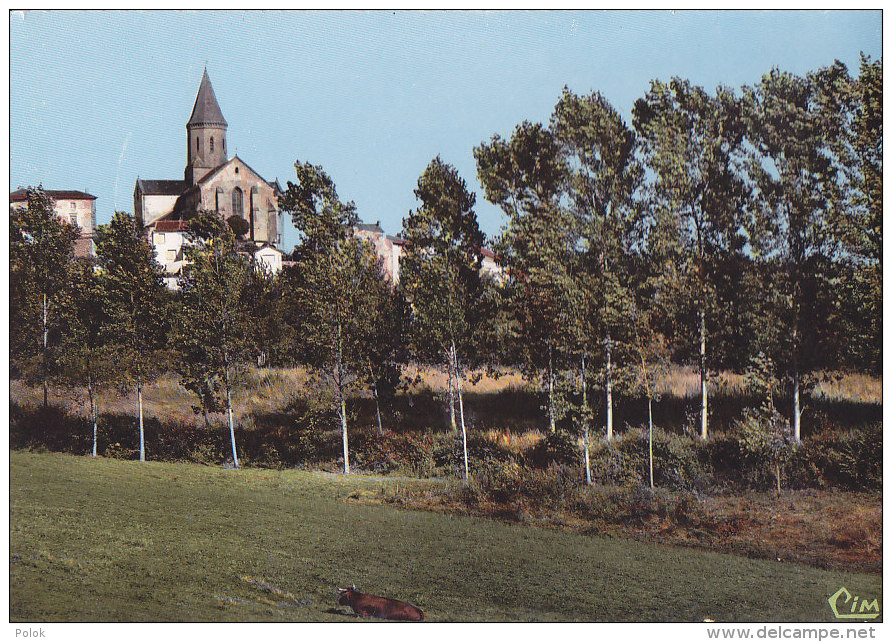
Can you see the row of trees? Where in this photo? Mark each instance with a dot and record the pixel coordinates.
(735, 230)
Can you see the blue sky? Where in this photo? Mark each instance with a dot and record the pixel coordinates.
(99, 98)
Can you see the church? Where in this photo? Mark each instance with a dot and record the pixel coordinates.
(211, 181)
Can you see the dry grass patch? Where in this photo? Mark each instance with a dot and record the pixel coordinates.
(860, 388)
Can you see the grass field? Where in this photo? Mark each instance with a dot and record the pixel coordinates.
(112, 540)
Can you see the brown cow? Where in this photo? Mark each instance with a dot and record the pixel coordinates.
(380, 607)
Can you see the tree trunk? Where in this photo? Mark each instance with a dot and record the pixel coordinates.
(609, 387)
(797, 412)
(588, 467)
(342, 411)
(342, 399)
(378, 410)
(93, 415)
(551, 420)
(142, 433)
(46, 390)
(704, 375)
(231, 426)
(777, 476)
(461, 410)
(650, 437)
(450, 367)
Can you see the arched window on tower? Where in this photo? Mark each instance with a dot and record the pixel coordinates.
(237, 202)
(212, 143)
(197, 144)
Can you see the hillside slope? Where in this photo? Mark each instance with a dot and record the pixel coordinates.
(111, 540)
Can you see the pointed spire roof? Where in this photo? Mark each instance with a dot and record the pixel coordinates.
(206, 110)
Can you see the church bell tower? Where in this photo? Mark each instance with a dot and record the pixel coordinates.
(206, 134)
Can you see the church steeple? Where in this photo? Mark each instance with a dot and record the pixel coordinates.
(206, 133)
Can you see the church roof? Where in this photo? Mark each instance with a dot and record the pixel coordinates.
(162, 188)
(210, 175)
(206, 110)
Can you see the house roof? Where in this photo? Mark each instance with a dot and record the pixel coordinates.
(171, 226)
(267, 246)
(22, 195)
(369, 227)
(162, 188)
(206, 110)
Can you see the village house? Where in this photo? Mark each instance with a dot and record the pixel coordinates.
(390, 250)
(211, 181)
(72, 207)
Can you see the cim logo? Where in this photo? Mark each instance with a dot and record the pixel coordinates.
(857, 611)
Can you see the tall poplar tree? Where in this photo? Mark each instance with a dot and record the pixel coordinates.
(85, 357)
(691, 140)
(604, 175)
(40, 248)
(332, 289)
(217, 324)
(525, 176)
(136, 302)
(858, 225)
(440, 276)
(793, 124)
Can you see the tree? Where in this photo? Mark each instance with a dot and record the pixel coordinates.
(604, 175)
(440, 276)
(40, 248)
(792, 125)
(858, 225)
(217, 323)
(85, 357)
(692, 143)
(525, 177)
(136, 302)
(385, 342)
(331, 290)
(653, 269)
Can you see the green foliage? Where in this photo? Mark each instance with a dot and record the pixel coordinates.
(440, 268)
(692, 142)
(525, 176)
(217, 324)
(338, 308)
(40, 249)
(557, 448)
(238, 225)
(316, 210)
(135, 299)
(440, 276)
(766, 438)
(794, 126)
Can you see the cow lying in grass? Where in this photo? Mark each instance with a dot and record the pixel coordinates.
(380, 607)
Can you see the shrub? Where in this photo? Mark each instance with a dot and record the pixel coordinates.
(557, 448)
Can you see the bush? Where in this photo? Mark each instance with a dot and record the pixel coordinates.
(557, 448)
(852, 460)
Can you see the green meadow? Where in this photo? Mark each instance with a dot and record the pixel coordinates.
(112, 540)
